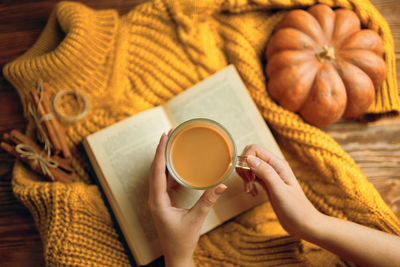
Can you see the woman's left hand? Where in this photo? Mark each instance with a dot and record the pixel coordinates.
(178, 229)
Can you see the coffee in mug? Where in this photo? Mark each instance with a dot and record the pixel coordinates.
(200, 154)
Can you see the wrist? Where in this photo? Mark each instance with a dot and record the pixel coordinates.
(315, 227)
(178, 261)
(177, 257)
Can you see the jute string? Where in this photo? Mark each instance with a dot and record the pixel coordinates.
(45, 162)
(83, 103)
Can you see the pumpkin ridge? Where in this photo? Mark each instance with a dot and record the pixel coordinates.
(353, 110)
(339, 30)
(299, 30)
(297, 18)
(289, 96)
(311, 87)
(357, 49)
(275, 45)
(331, 89)
(281, 60)
(325, 17)
(372, 69)
(365, 39)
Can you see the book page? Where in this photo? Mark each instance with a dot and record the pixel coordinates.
(124, 153)
(224, 98)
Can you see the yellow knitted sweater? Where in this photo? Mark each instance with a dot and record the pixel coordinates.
(135, 62)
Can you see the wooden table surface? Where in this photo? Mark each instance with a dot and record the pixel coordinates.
(374, 146)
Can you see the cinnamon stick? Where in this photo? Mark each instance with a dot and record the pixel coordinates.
(61, 176)
(56, 173)
(10, 149)
(6, 136)
(60, 130)
(63, 163)
(51, 130)
(19, 138)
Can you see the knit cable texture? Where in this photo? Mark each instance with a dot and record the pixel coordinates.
(135, 62)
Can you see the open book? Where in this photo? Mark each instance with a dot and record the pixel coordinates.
(121, 155)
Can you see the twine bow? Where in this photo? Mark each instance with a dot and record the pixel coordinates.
(26, 151)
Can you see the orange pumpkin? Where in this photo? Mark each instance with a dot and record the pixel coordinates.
(323, 66)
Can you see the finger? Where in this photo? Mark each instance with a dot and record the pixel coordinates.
(265, 172)
(172, 184)
(248, 178)
(245, 149)
(170, 131)
(206, 202)
(172, 189)
(280, 166)
(158, 181)
(251, 189)
(246, 174)
(261, 182)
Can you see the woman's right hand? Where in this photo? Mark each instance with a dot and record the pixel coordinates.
(360, 244)
(295, 212)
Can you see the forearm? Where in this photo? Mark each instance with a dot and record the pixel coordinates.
(354, 242)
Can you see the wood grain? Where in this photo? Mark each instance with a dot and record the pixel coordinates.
(390, 9)
(374, 146)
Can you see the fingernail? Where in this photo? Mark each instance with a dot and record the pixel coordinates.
(252, 161)
(220, 189)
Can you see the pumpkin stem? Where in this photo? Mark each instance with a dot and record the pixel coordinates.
(327, 53)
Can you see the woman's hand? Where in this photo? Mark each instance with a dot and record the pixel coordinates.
(295, 212)
(178, 229)
(357, 243)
